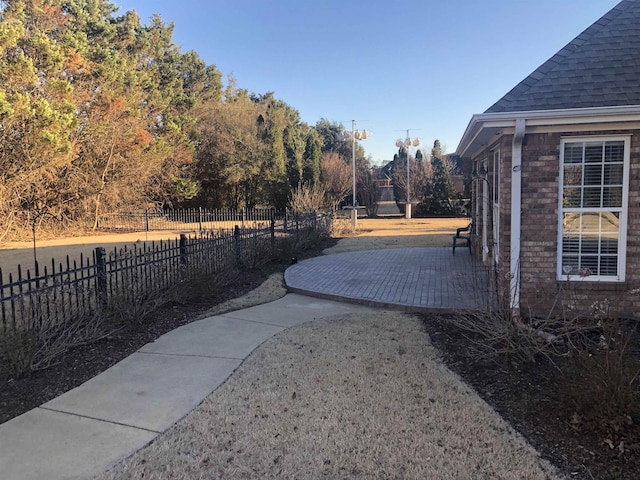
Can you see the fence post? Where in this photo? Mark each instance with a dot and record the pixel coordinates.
(273, 235)
(200, 219)
(284, 225)
(183, 250)
(101, 275)
(146, 220)
(236, 245)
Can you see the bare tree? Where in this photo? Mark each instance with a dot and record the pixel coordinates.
(335, 176)
(307, 198)
(368, 189)
(420, 176)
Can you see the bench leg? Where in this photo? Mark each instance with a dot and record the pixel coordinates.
(454, 244)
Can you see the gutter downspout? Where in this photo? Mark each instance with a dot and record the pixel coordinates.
(516, 213)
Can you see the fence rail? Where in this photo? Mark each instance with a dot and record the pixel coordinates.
(191, 219)
(77, 289)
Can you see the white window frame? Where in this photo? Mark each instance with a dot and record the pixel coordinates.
(623, 210)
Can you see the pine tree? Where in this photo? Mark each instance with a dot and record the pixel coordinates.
(441, 190)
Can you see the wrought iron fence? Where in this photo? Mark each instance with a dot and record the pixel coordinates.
(192, 219)
(64, 292)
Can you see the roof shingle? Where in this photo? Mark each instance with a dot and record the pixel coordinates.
(599, 68)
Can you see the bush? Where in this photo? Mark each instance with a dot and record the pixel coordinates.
(594, 350)
(602, 378)
(40, 342)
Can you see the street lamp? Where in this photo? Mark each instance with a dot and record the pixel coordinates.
(406, 143)
(354, 135)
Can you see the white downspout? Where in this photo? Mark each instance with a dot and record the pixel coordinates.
(485, 215)
(516, 213)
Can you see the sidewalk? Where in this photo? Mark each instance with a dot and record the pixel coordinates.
(92, 427)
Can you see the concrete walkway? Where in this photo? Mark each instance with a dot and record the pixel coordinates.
(92, 427)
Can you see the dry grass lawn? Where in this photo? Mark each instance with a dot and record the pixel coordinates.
(350, 397)
(395, 232)
(360, 396)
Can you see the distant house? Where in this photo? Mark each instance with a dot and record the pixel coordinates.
(556, 172)
(384, 175)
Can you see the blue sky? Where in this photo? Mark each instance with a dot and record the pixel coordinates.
(422, 65)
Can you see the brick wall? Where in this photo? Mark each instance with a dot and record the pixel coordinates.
(540, 290)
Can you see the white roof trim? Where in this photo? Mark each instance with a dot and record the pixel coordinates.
(498, 120)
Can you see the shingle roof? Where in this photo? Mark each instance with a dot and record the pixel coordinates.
(600, 67)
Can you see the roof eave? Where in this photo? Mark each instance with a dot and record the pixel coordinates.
(485, 125)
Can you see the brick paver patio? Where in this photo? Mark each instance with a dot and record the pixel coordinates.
(412, 279)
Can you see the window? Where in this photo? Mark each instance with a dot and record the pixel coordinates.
(593, 208)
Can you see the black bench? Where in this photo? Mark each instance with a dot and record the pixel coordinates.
(459, 237)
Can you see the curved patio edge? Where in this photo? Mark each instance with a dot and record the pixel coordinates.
(421, 280)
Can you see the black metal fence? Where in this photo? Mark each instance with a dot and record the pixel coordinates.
(76, 289)
(191, 219)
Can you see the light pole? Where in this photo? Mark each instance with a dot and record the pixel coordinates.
(406, 143)
(354, 135)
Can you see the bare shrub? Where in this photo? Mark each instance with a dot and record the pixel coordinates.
(40, 341)
(342, 228)
(336, 178)
(590, 345)
(17, 351)
(307, 199)
(602, 380)
(497, 331)
(304, 238)
(54, 343)
(125, 308)
(370, 191)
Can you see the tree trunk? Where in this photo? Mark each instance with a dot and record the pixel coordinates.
(103, 183)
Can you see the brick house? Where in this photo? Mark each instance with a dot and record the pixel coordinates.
(556, 173)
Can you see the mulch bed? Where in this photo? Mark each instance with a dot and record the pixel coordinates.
(533, 400)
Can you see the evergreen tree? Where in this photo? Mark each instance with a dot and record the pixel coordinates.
(99, 112)
(37, 112)
(312, 158)
(441, 191)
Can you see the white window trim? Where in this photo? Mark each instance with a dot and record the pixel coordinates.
(622, 239)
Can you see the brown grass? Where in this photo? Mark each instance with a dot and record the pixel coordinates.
(349, 397)
(395, 232)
